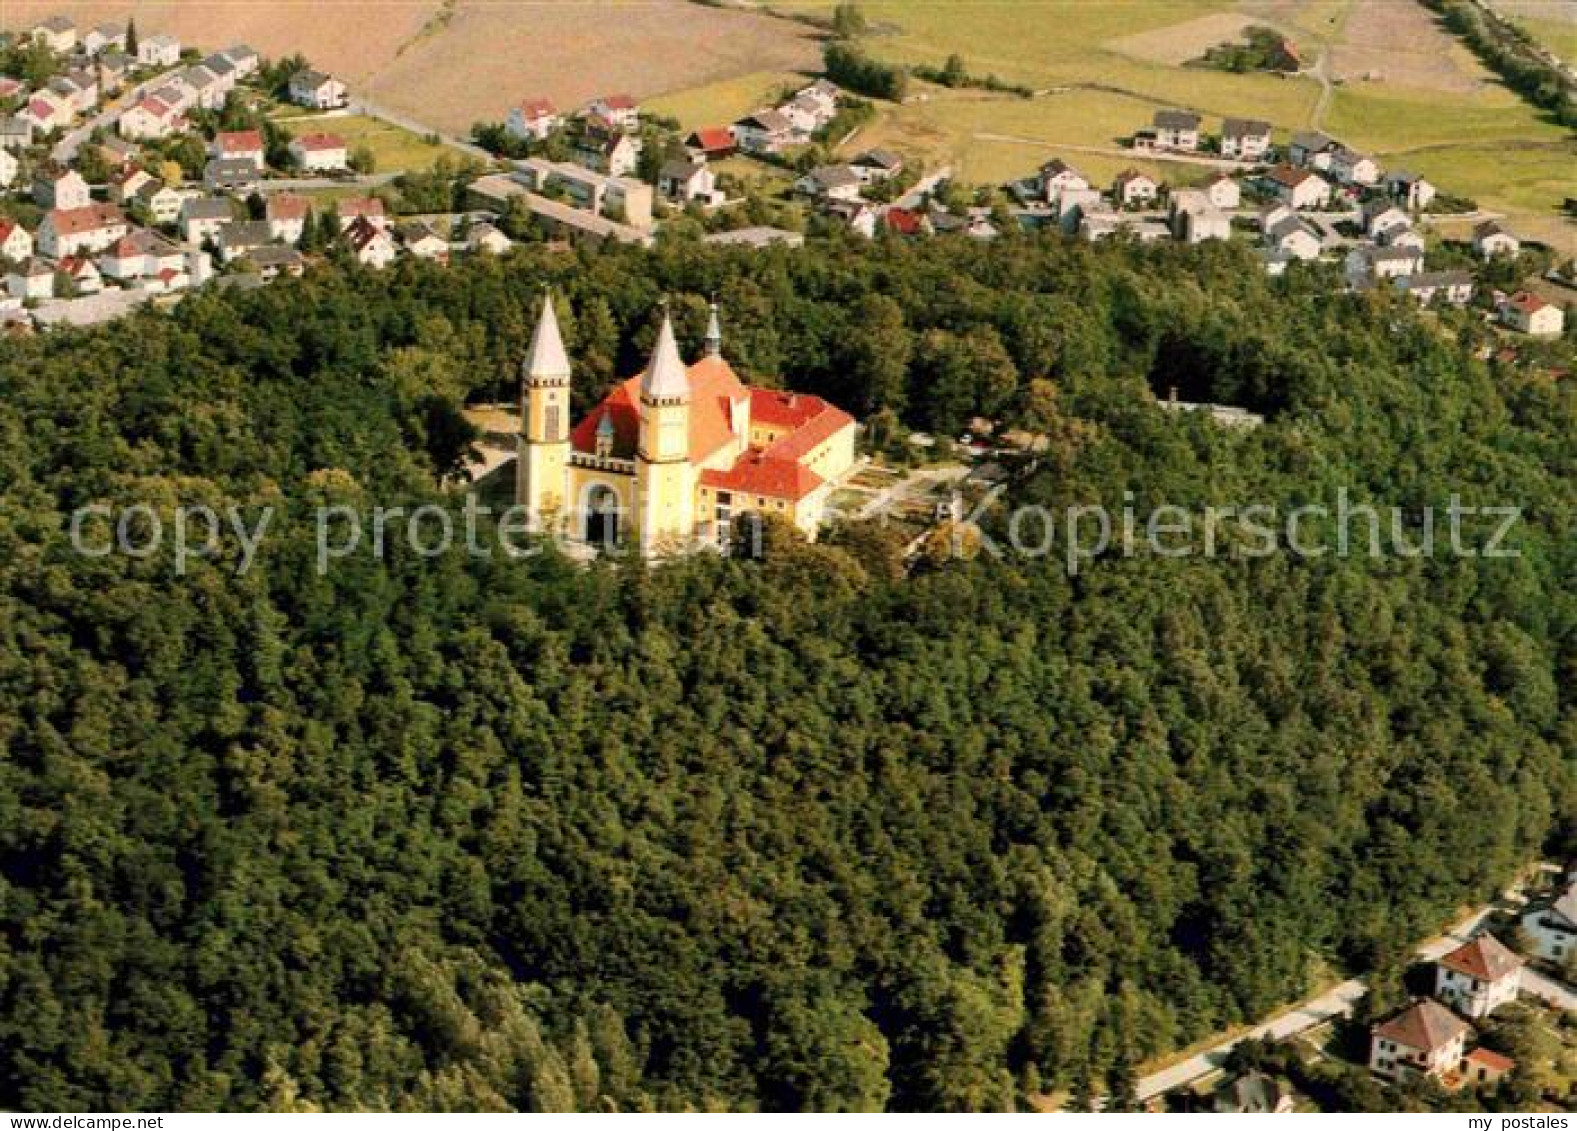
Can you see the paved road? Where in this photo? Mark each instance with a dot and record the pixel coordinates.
(1173, 155)
(65, 149)
(302, 184)
(1335, 1002)
(1548, 990)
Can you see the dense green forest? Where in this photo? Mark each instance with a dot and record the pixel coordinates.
(792, 832)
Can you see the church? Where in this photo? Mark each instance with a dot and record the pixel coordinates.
(674, 455)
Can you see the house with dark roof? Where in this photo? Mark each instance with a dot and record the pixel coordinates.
(1245, 139)
(1550, 922)
(1176, 129)
(1478, 977)
(1252, 1093)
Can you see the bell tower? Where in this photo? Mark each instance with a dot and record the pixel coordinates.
(665, 477)
(542, 469)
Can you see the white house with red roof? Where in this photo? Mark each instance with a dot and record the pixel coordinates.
(16, 243)
(673, 457)
(1478, 977)
(620, 109)
(533, 119)
(151, 119)
(320, 152)
(240, 144)
(72, 231)
(369, 208)
(1299, 188)
(370, 243)
(140, 255)
(1527, 313)
(286, 213)
(46, 110)
(1425, 1039)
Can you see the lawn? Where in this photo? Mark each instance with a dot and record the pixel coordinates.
(394, 149)
(718, 103)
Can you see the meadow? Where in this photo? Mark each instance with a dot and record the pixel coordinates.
(395, 150)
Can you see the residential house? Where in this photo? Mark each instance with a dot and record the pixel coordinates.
(1491, 238)
(1402, 235)
(80, 272)
(12, 88)
(806, 113)
(1056, 177)
(57, 187)
(711, 142)
(272, 262)
(1133, 189)
(320, 153)
(823, 91)
(1478, 977)
(10, 168)
(160, 201)
(613, 153)
(113, 68)
(239, 145)
(209, 92)
(317, 90)
(369, 243)
(532, 120)
(684, 180)
(1223, 193)
(286, 214)
(906, 222)
(32, 281)
(368, 208)
(16, 131)
(1530, 314)
(103, 38)
(1353, 168)
(16, 243)
(1383, 262)
(1550, 923)
(421, 241)
(151, 119)
(1253, 1093)
(46, 111)
(1380, 216)
(72, 231)
(1454, 288)
(1198, 225)
(230, 174)
(241, 236)
(118, 153)
(877, 165)
(1245, 139)
(176, 93)
(1411, 190)
(619, 109)
(159, 51)
(1425, 1039)
(1483, 1068)
(244, 59)
(1299, 188)
(203, 216)
(1311, 149)
(1176, 129)
(830, 182)
(140, 254)
(765, 131)
(484, 237)
(80, 86)
(1294, 236)
(223, 71)
(56, 33)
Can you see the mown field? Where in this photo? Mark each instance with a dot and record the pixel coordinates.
(394, 149)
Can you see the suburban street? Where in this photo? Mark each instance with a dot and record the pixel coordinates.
(1335, 1002)
(65, 150)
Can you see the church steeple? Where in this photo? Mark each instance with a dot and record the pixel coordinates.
(546, 362)
(666, 378)
(714, 333)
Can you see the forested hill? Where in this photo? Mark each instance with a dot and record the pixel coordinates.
(788, 833)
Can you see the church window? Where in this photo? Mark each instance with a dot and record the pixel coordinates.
(550, 422)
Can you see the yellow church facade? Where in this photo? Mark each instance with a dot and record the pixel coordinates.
(674, 456)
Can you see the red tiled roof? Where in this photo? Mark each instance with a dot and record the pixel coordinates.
(241, 141)
(712, 139)
(536, 108)
(317, 143)
(354, 206)
(1485, 958)
(903, 221)
(41, 108)
(6, 228)
(1491, 1060)
(288, 206)
(760, 473)
(70, 221)
(618, 102)
(1527, 302)
(803, 440)
(1288, 176)
(1426, 1025)
(713, 383)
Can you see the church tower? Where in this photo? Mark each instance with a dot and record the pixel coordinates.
(542, 471)
(665, 479)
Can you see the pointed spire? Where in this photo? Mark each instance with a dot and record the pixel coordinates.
(665, 374)
(546, 359)
(714, 334)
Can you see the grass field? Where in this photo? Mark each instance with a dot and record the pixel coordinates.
(395, 150)
(719, 103)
